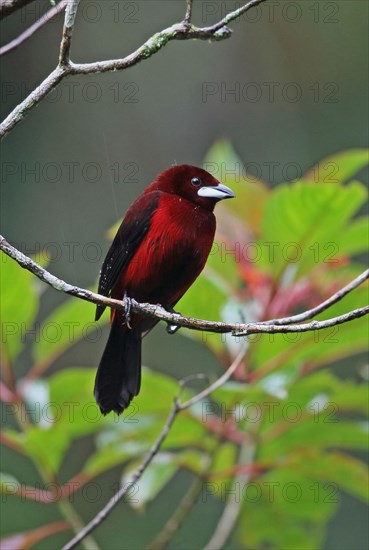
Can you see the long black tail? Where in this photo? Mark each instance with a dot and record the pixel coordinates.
(118, 377)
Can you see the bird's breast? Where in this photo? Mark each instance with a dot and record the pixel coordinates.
(173, 252)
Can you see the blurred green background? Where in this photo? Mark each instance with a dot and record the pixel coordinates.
(289, 88)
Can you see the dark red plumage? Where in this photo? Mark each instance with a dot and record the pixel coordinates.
(159, 250)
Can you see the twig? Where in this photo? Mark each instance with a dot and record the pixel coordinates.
(151, 310)
(178, 31)
(218, 383)
(69, 19)
(188, 15)
(176, 408)
(127, 487)
(13, 44)
(233, 506)
(231, 513)
(49, 477)
(33, 99)
(310, 313)
(176, 520)
(9, 6)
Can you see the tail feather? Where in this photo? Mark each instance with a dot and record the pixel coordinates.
(118, 376)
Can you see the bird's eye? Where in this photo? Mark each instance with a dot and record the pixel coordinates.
(196, 182)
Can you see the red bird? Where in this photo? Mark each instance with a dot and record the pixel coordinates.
(159, 250)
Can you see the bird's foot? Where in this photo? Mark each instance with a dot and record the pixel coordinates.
(127, 309)
(171, 327)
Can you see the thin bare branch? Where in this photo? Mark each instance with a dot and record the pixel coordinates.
(218, 383)
(188, 15)
(176, 520)
(34, 98)
(13, 44)
(119, 495)
(233, 506)
(197, 324)
(8, 7)
(178, 31)
(176, 409)
(231, 16)
(65, 45)
(157, 311)
(310, 313)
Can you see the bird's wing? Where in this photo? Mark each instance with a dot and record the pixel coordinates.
(130, 234)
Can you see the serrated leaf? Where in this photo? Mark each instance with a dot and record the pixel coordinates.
(71, 395)
(319, 347)
(355, 238)
(108, 456)
(69, 412)
(64, 327)
(310, 434)
(338, 168)
(282, 510)
(46, 448)
(18, 307)
(348, 473)
(303, 224)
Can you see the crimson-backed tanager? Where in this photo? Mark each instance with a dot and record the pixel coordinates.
(159, 250)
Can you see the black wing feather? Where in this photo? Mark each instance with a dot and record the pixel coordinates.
(129, 236)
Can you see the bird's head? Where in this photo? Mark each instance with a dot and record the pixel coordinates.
(193, 184)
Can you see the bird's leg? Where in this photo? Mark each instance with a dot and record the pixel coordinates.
(171, 327)
(127, 309)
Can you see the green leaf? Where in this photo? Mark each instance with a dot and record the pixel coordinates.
(65, 412)
(303, 224)
(157, 393)
(346, 472)
(222, 268)
(65, 326)
(224, 459)
(355, 238)
(46, 448)
(251, 193)
(262, 526)
(8, 483)
(204, 300)
(192, 460)
(153, 480)
(188, 432)
(113, 453)
(327, 396)
(136, 430)
(319, 347)
(338, 168)
(76, 412)
(343, 340)
(18, 307)
(308, 434)
(284, 509)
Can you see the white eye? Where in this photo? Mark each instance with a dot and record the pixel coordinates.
(196, 182)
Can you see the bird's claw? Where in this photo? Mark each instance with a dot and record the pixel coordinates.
(127, 309)
(172, 327)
